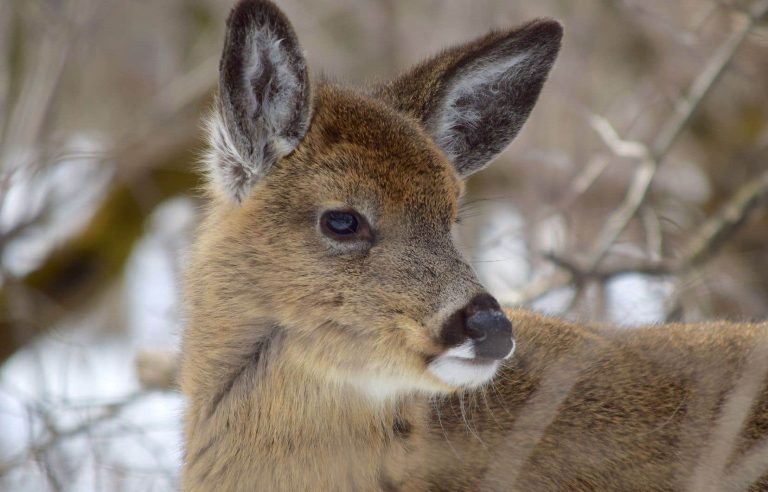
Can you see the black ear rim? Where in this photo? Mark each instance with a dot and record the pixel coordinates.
(543, 35)
(244, 18)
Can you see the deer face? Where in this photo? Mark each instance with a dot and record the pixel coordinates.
(334, 208)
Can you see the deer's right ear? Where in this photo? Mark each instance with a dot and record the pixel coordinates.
(263, 106)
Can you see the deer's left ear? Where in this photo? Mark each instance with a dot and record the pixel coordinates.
(474, 98)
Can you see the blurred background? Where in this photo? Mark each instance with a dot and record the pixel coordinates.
(635, 194)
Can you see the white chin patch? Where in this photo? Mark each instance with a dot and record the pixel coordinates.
(458, 367)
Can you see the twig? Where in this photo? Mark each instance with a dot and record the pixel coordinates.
(710, 236)
(641, 182)
(706, 241)
(580, 272)
(622, 148)
(669, 133)
(57, 435)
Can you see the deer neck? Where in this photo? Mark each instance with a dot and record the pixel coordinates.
(293, 421)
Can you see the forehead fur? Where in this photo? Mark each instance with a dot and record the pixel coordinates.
(357, 146)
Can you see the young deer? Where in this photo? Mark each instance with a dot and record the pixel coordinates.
(337, 340)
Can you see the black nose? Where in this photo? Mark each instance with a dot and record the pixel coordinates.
(483, 321)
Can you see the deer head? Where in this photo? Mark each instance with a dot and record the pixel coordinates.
(333, 208)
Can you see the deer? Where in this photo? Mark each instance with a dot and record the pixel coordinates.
(337, 339)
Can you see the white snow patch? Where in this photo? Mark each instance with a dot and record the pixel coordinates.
(635, 299)
(64, 193)
(85, 367)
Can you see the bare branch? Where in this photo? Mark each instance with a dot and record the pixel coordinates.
(706, 242)
(711, 235)
(56, 435)
(622, 148)
(638, 189)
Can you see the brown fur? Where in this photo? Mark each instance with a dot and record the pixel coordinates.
(305, 366)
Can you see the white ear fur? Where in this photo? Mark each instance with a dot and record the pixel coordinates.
(488, 98)
(225, 168)
(481, 83)
(277, 110)
(263, 107)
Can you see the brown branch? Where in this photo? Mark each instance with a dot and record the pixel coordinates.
(670, 132)
(641, 182)
(710, 237)
(580, 273)
(56, 435)
(90, 260)
(705, 243)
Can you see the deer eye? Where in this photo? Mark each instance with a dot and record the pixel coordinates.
(343, 225)
(340, 223)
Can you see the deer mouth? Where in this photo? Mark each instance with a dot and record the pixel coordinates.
(461, 367)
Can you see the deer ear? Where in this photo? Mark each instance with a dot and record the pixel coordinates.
(263, 105)
(474, 98)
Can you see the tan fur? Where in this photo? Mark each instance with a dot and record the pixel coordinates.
(305, 369)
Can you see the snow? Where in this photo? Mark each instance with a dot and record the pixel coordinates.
(80, 370)
(64, 195)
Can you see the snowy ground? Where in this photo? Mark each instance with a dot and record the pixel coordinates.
(53, 392)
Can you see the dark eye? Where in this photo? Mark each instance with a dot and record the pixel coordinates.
(341, 223)
(344, 225)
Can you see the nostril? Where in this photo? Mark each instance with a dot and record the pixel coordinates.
(479, 323)
(492, 333)
(476, 335)
(482, 313)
